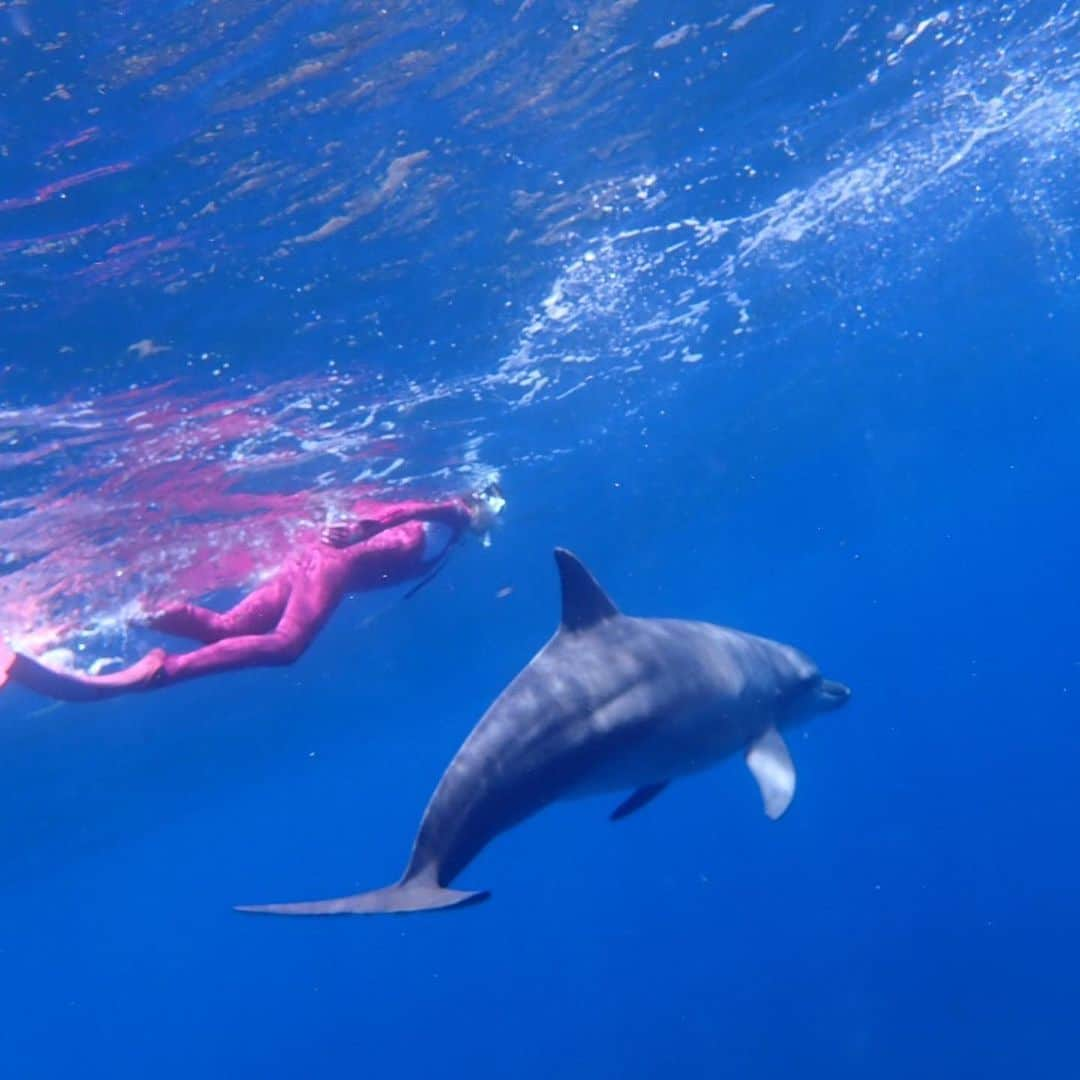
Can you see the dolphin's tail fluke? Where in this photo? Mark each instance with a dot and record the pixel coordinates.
(403, 897)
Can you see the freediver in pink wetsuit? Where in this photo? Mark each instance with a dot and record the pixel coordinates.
(276, 623)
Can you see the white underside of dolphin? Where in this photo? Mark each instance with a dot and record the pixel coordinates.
(610, 703)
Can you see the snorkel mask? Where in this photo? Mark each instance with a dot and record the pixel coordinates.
(488, 504)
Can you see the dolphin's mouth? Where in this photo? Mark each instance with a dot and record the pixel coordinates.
(833, 694)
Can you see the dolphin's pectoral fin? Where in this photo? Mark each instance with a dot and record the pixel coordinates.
(584, 603)
(638, 799)
(771, 765)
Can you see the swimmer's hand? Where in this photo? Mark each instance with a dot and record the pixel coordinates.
(337, 535)
(342, 534)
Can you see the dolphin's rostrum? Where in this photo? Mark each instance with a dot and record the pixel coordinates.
(610, 703)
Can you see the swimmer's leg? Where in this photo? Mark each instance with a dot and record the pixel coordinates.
(229, 654)
(257, 613)
(310, 601)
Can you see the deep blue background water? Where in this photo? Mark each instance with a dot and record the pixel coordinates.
(874, 458)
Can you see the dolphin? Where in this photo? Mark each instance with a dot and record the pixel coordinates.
(610, 703)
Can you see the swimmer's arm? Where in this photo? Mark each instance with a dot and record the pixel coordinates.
(346, 534)
(457, 514)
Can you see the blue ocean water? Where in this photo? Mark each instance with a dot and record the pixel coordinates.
(769, 312)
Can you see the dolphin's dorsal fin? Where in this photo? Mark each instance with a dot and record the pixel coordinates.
(584, 603)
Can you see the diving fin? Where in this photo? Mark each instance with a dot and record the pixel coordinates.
(75, 686)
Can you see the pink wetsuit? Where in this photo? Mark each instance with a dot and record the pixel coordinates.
(278, 621)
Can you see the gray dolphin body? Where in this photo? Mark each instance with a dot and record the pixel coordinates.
(610, 703)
